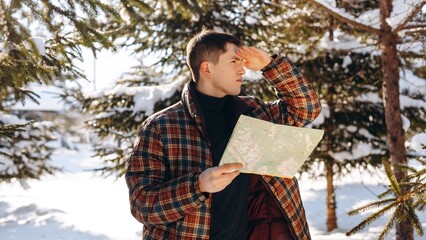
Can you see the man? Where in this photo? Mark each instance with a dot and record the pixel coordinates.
(178, 191)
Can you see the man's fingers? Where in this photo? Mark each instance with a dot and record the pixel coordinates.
(229, 168)
(248, 51)
(251, 50)
(215, 179)
(241, 54)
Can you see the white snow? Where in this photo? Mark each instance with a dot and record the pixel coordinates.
(359, 150)
(125, 15)
(405, 123)
(325, 113)
(252, 76)
(401, 10)
(410, 86)
(414, 47)
(49, 100)
(10, 119)
(344, 41)
(144, 97)
(76, 204)
(412, 83)
(410, 102)
(5, 163)
(369, 97)
(364, 132)
(39, 45)
(250, 20)
(347, 60)
(418, 144)
(370, 18)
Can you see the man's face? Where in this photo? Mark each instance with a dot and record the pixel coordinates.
(225, 76)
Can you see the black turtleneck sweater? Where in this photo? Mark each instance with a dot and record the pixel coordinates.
(229, 218)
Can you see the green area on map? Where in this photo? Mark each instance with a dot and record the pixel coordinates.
(272, 149)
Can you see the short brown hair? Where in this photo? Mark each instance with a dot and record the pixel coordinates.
(207, 46)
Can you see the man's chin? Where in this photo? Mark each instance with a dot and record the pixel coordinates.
(235, 93)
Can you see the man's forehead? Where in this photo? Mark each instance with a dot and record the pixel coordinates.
(231, 50)
(232, 47)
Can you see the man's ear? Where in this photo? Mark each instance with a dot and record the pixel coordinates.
(205, 70)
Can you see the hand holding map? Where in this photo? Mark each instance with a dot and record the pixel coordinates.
(272, 149)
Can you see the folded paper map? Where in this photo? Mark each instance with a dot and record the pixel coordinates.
(272, 149)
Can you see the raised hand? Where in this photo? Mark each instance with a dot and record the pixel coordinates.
(215, 179)
(253, 58)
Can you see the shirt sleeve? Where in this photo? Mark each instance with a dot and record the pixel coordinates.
(299, 105)
(154, 197)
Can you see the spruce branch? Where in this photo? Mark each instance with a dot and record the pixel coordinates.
(370, 218)
(386, 193)
(404, 205)
(5, 155)
(391, 177)
(410, 214)
(371, 205)
(388, 225)
(345, 19)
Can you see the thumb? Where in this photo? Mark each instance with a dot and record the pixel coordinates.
(231, 167)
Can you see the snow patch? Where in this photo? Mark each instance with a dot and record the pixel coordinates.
(369, 97)
(144, 97)
(405, 123)
(418, 144)
(360, 150)
(347, 60)
(401, 10)
(39, 45)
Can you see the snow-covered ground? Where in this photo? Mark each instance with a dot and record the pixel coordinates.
(76, 204)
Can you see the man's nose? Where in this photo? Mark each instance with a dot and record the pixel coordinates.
(241, 69)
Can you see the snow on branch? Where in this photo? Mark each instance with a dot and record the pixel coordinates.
(369, 21)
(144, 97)
(418, 144)
(403, 12)
(360, 150)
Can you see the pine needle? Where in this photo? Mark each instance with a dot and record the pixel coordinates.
(388, 226)
(370, 219)
(369, 206)
(392, 178)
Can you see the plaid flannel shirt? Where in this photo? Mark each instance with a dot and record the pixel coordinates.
(172, 150)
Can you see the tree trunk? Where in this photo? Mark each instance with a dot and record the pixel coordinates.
(331, 199)
(395, 134)
(331, 28)
(331, 217)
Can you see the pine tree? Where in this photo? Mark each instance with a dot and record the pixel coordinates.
(354, 126)
(390, 33)
(39, 44)
(24, 149)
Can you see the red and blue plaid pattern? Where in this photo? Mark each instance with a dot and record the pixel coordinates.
(172, 150)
